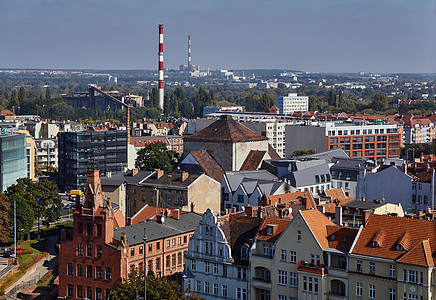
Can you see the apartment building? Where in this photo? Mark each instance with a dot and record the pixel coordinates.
(46, 154)
(359, 139)
(418, 129)
(217, 265)
(392, 258)
(291, 102)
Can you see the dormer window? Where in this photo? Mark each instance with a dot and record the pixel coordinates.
(398, 247)
(374, 244)
(333, 237)
(244, 252)
(269, 230)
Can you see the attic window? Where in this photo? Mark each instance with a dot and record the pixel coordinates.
(333, 237)
(374, 244)
(244, 252)
(269, 230)
(399, 247)
(345, 238)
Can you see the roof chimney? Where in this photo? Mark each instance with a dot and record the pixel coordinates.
(184, 176)
(135, 171)
(109, 174)
(192, 206)
(160, 219)
(249, 211)
(176, 214)
(366, 214)
(338, 215)
(159, 173)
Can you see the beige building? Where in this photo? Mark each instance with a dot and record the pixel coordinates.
(303, 260)
(393, 258)
(175, 191)
(30, 153)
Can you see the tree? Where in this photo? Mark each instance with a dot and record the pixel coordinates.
(379, 102)
(158, 288)
(47, 94)
(5, 224)
(24, 214)
(156, 156)
(312, 103)
(62, 111)
(332, 97)
(303, 152)
(21, 93)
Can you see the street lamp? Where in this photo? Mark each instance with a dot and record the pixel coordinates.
(145, 265)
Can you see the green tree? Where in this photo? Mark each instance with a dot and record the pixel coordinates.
(303, 152)
(379, 102)
(5, 223)
(47, 94)
(312, 103)
(21, 93)
(154, 98)
(332, 97)
(24, 214)
(158, 288)
(6, 93)
(48, 203)
(156, 156)
(61, 111)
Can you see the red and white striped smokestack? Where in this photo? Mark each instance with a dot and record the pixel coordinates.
(189, 52)
(161, 68)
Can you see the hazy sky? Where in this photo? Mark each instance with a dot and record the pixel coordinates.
(308, 35)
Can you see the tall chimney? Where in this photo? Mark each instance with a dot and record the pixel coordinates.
(161, 69)
(189, 52)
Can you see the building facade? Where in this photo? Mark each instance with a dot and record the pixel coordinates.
(46, 154)
(291, 102)
(13, 163)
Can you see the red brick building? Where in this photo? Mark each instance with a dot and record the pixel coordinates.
(101, 250)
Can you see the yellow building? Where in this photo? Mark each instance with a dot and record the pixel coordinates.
(30, 153)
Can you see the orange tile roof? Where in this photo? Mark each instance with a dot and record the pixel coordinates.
(279, 226)
(253, 160)
(150, 212)
(292, 197)
(317, 223)
(341, 238)
(390, 231)
(209, 164)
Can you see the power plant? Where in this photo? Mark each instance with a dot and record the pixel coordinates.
(189, 67)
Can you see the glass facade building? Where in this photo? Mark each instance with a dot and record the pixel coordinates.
(13, 158)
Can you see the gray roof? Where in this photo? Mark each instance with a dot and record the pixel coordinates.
(120, 178)
(329, 155)
(236, 178)
(363, 205)
(353, 163)
(154, 230)
(306, 177)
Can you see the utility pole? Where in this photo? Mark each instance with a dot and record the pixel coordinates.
(145, 265)
(15, 232)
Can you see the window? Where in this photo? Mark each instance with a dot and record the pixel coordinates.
(70, 290)
(391, 294)
(241, 198)
(99, 293)
(80, 228)
(215, 289)
(391, 271)
(224, 290)
(157, 246)
(292, 256)
(241, 294)
(80, 291)
(282, 297)
(282, 277)
(198, 285)
(108, 273)
(70, 269)
(358, 289)
(99, 251)
(141, 249)
(242, 273)
(304, 283)
(80, 249)
(244, 252)
(179, 240)
(167, 243)
(315, 285)
(80, 270)
(99, 230)
(89, 292)
(89, 228)
(371, 267)
(99, 272)
(371, 291)
(89, 250)
(215, 269)
(206, 287)
(173, 242)
(108, 294)
(132, 252)
(150, 248)
(299, 236)
(158, 263)
(207, 267)
(89, 271)
(293, 279)
(193, 265)
(283, 255)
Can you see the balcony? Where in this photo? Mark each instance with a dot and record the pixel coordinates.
(312, 268)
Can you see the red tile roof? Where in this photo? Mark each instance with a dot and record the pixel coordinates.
(317, 223)
(305, 198)
(253, 160)
(143, 141)
(416, 236)
(341, 238)
(277, 225)
(225, 130)
(209, 164)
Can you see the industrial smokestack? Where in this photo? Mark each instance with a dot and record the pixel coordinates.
(189, 52)
(161, 68)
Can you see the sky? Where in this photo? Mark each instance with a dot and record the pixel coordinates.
(384, 36)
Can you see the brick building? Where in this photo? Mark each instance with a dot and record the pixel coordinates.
(101, 250)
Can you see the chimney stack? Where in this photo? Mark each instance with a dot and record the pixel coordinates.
(184, 176)
(135, 171)
(249, 211)
(159, 173)
(176, 214)
(338, 215)
(161, 69)
(189, 53)
(366, 214)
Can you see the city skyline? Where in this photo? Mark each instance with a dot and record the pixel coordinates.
(339, 36)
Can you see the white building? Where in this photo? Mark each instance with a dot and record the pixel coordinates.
(216, 263)
(292, 102)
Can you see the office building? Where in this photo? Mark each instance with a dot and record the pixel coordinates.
(13, 159)
(291, 102)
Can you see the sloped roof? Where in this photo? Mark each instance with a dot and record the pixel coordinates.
(119, 178)
(421, 239)
(170, 180)
(293, 197)
(341, 238)
(279, 226)
(253, 160)
(317, 223)
(272, 152)
(225, 130)
(209, 164)
(150, 212)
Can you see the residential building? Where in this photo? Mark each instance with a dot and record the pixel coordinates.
(292, 102)
(101, 251)
(392, 259)
(179, 190)
(13, 161)
(104, 149)
(216, 263)
(359, 139)
(30, 154)
(46, 154)
(418, 129)
(239, 189)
